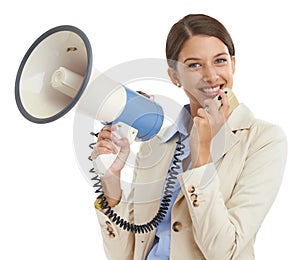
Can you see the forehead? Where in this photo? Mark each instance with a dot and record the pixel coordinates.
(202, 46)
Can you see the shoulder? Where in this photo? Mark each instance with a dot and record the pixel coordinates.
(267, 138)
(243, 119)
(255, 133)
(267, 131)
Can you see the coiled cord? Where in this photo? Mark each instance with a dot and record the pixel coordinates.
(165, 201)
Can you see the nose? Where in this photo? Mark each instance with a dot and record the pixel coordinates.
(209, 74)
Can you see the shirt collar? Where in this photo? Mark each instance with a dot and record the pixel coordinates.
(180, 126)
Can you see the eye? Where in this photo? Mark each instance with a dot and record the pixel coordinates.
(220, 61)
(194, 65)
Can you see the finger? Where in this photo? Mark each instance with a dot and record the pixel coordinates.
(107, 128)
(103, 135)
(106, 131)
(106, 144)
(123, 143)
(98, 151)
(211, 106)
(202, 113)
(225, 104)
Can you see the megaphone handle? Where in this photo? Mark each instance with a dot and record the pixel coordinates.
(104, 161)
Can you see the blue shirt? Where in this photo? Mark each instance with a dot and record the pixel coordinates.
(161, 246)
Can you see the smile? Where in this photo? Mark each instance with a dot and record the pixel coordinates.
(211, 91)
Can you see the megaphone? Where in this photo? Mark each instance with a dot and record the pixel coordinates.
(56, 74)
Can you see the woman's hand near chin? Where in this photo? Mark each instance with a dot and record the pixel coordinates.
(206, 124)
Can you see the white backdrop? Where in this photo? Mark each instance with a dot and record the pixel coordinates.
(46, 204)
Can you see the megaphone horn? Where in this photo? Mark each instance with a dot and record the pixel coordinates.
(61, 52)
(55, 72)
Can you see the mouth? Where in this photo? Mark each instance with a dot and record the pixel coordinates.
(212, 91)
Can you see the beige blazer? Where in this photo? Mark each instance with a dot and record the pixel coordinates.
(220, 207)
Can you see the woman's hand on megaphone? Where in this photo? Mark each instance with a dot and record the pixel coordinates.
(109, 143)
(106, 144)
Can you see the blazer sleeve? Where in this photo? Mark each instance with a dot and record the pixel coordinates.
(118, 243)
(223, 229)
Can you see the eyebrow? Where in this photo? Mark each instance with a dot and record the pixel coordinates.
(193, 58)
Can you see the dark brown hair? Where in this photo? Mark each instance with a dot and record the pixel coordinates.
(191, 25)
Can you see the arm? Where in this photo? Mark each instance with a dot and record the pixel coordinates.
(222, 229)
(111, 179)
(118, 244)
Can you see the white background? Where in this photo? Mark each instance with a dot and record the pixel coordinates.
(46, 204)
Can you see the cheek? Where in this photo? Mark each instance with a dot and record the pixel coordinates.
(226, 74)
(190, 80)
(194, 95)
(191, 89)
(229, 78)
(187, 77)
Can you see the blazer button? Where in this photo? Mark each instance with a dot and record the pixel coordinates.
(191, 189)
(111, 235)
(177, 226)
(194, 196)
(196, 203)
(110, 229)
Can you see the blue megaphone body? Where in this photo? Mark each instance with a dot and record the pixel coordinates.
(143, 114)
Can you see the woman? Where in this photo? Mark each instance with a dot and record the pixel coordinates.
(229, 172)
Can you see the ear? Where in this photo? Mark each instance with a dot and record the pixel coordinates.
(174, 77)
(233, 64)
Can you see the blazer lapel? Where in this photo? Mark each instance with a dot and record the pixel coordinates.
(226, 138)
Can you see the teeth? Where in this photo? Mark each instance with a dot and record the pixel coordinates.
(210, 90)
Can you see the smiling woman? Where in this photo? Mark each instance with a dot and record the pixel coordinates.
(204, 67)
(230, 164)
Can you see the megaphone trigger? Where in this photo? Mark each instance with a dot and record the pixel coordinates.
(104, 161)
(123, 130)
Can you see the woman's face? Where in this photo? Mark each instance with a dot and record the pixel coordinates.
(204, 66)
